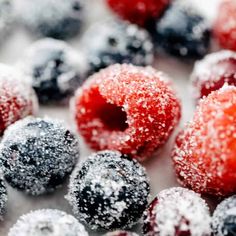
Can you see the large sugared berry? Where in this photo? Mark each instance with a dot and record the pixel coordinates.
(52, 18)
(204, 153)
(224, 218)
(109, 191)
(225, 25)
(38, 154)
(139, 12)
(177, 212)
(121, 233)
(17, 98)
(181, 31)
(111, 42)
(126, 108)
(213, 72)
(47, 222)
(56, 70)
(3, 198)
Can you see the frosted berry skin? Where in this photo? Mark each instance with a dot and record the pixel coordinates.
(126, 108)
(52, 18)
(138, 12)
(3, 198)
(47, 222)
(56, 70)
(121, 233)
(38, 154)
(178, 212)
(225, 25)
(181, 31)
(109, 191)
(111, 42)
(204, 153)
(17, 98)
(224, 218)
(212, 72)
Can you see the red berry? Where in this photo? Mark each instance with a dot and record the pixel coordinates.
(213, 72)
(205, 151)
(225, 25)
(17, 99)
(138, 11)
(177, 212)
(126, 108)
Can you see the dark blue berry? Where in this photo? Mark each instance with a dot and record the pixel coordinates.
(112, 42)
(38, 154)
(109, 191)
(181, 31)
(224, 218)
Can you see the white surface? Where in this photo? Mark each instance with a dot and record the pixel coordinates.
(159, 168)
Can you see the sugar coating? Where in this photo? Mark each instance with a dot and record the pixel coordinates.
(109, 191)
(3, 198)
(212, 72)
(55, 69)
(52, 18)
(47, 222)
(126, 108)
(37, 154)
(204, 153)
(177, 211)
(121, 233)
(225, 25)
(17, 98)
(224, 218)
(113, 41)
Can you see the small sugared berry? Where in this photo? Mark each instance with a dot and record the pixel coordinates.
(139, 12)
(224, 218)
(109, 191)
(38, 154)
(177, 212)
(213, 72)
(56, 69)
(204, 153)
(111, 42)
(225, 25)
(17, 98)
(181, 31)
(47, 222)
(126, 108)
(52, 18)
(121, 233)
(3, 198)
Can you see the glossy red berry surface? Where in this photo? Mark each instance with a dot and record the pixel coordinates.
(140, 11)
(225, 25)
(204, 153)
(126, 108)
(213, 72)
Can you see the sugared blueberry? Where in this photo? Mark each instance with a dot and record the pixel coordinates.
(111, 42)
(181, 31)
(126, 108)
(109, 191)
(204, 153)
(38, 154)
(56, 69)
(47, 222)
(139, 12)
(121, 233)
(3, 198)
(177, 212)
(52, 18)
(17, 98)
(213, 72)
(224, 218)
(225, 25)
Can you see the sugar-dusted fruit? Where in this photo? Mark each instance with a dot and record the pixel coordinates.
(17, 98)
(121, 233)
(212, 72)
(37, 154)
(109, 191)
(47, 222)
(177, 212)
(204, 153)
(3, 198)
(126, 108)
(225, 24)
